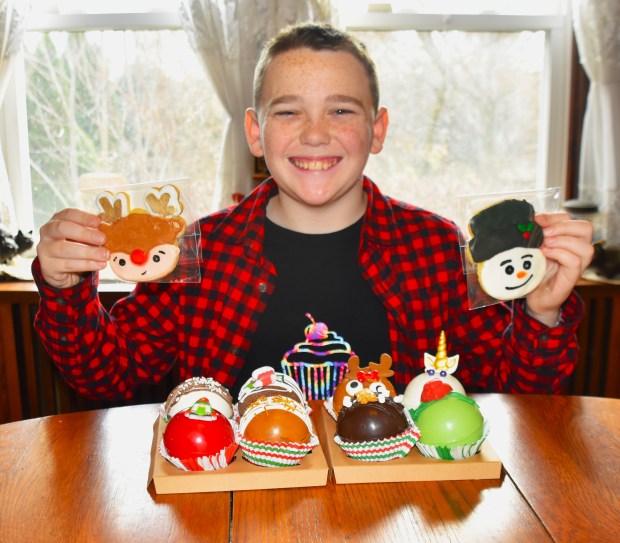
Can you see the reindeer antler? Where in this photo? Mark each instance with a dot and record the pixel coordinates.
(353, 365)
(112, 207)
(164, 201)
(384, 366)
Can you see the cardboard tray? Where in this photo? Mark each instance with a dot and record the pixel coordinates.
(238, 475)
(413, 467)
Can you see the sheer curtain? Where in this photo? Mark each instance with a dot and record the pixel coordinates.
(227, 35)
(13, 14)
(597, 31)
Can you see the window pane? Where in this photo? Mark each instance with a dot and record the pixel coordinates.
(136, 103)
(464, 113)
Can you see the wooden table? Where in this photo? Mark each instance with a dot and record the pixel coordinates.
(83, 477)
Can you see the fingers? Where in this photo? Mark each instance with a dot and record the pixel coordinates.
(561, 224)
(567, 241)
(70, 244)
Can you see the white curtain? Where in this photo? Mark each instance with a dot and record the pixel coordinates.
(13, 14)
(228, 35)
(597, 31)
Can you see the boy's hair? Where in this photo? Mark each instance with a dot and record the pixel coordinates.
(320, 37)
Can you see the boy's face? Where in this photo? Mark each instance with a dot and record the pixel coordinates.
(316, 126)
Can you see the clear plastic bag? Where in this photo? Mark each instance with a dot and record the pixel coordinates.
(500, 243)
(152, 233)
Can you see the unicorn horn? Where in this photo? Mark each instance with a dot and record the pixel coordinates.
(442, 353)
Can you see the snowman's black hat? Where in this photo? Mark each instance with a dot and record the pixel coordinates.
(502, 226)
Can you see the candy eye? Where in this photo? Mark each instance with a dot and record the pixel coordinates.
(509, 270)
(378, 388)
(443, 373)
(156, 258)
(122, 262)
(353, 387)
(527, 265)
(430, 372)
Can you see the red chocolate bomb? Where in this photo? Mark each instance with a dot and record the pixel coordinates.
(199, 432)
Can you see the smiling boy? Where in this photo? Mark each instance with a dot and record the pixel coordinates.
(317, 238)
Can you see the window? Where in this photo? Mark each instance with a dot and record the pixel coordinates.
(478, 102)
(477, 92)
(109, 105)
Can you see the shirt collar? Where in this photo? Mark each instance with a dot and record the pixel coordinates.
(245, 222)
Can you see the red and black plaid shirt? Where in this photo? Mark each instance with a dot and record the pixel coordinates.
(410, 257)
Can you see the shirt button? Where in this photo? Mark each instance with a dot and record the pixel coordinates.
(63, 339)
(544, 337)
(235, 351)
(262, 287)
(61, 301)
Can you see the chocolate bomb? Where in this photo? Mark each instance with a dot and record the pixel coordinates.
(370, 421)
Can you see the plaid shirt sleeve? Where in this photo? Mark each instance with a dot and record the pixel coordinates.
(101, 356)
(414, 262)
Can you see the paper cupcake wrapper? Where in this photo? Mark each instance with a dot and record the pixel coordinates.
(329, 407)
(454, 453)
(316, 380)
(381, 450)
(202, 463)
(276, 455)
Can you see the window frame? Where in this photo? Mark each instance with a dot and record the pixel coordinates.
(552, 162)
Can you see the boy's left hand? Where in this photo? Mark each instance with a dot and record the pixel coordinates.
(569, 251)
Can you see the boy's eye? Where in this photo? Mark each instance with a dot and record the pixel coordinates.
(342, 111)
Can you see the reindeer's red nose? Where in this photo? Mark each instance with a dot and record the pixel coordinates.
(138, 257)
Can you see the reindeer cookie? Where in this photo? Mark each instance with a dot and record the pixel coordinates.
(143, 243)
(364, 385)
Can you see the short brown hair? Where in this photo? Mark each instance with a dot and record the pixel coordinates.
(320, 37)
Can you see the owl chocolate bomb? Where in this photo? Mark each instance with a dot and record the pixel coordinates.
(505, 247)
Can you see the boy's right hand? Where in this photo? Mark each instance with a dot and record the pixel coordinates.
(71, 244)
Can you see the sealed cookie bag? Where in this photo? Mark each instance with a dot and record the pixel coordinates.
(150, 230)
(501, 242)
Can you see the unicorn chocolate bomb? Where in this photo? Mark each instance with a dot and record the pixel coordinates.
(143, 243)
(364, 384)
(439, 370)
(505, 246)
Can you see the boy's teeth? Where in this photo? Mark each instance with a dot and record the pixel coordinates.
(315, 164)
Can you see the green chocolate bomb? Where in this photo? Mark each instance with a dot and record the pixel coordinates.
(452, 421)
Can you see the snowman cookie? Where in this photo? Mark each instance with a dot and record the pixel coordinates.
(505, 246)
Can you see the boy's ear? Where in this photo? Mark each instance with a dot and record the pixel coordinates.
(252, 132)
(379, 130)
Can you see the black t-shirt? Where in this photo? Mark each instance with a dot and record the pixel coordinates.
(317, 274)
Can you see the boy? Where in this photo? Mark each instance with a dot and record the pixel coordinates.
(318, 238)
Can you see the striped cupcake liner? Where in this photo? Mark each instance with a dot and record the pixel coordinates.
(276, 455)
(454, 453)
(381, 450)
(202, 463)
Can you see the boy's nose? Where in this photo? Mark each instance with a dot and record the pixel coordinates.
(315, 132)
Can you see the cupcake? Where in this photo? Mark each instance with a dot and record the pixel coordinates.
(318, 363)
(188, 392)
(264, 382)
(450, 423)
(199, 439)
(276, 431)
(438, 368)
